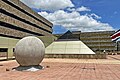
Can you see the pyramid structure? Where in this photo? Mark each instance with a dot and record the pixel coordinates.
(68, 36)
(68, 47)
(68, 44)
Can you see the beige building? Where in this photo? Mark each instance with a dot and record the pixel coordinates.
(17, 21)
(97, 41)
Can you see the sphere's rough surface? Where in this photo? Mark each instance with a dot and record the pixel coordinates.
(29, 51)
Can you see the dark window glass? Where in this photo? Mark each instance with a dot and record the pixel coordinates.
(3, 49)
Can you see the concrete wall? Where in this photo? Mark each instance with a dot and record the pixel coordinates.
(22, 20)
(77, 56)
(23, 6)
(8, 43)
(20, 14)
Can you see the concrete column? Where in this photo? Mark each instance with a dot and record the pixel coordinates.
(10, 53)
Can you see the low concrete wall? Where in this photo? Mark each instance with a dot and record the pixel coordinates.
(78, 56)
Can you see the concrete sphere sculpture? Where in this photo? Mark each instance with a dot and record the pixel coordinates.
(29, 51)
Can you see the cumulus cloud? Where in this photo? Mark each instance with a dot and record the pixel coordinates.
(80, 9)
(71, 9)
(74, 21)
(48, 4)
(70, 20)
(95, 16)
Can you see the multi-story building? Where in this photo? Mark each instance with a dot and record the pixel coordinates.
(17, 21)
(97, 41)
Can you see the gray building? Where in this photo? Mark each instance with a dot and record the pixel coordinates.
(97, 41)
(17, 21)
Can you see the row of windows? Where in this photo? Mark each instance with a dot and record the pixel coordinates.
(97, 33)
(96, 37)
(25, 12)
(96, 40)
(3, 35)
(18, 28)
(23, 20)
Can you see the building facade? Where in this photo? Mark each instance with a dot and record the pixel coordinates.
(17, 21)
(97, 41)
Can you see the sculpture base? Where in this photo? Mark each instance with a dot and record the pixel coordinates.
(28, 68)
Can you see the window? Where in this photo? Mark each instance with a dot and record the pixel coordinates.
(3, 49)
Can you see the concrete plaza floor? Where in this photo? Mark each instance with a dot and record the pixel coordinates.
(66, 69)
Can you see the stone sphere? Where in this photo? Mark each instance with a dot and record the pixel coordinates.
(29, 51)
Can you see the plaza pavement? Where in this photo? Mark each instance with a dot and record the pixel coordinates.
(66, 69)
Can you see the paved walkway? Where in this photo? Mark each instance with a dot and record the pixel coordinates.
(66, 69)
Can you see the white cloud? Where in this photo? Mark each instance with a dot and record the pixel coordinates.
(74, 21)
(82, 8)
(95, 16)
(70, 20)
(48, 4)
(71, 9)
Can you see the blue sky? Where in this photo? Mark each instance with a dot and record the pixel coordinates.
(109, 10)
(79, 15)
